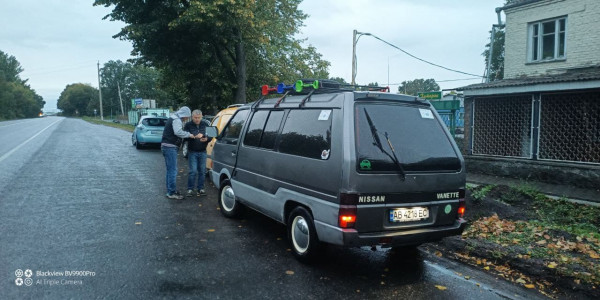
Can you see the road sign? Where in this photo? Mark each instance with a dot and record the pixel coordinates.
(430, 95)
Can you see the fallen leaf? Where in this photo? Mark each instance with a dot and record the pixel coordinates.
(593, 254)
(138, 223)
(530, 286)
(289, 272)
(441, 287)
(211, 230)
(486, 268)
(467, 277)
(382, 283)
(478, 261)
(552, 265)
(438, 253)
(521, 281)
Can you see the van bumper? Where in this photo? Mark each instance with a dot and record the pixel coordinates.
(352, 238)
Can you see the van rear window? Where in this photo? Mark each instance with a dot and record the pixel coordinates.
(416, 136)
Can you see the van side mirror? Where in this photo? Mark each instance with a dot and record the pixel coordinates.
(212, 131)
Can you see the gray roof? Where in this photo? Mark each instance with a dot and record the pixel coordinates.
(571, 75)
(516, 3)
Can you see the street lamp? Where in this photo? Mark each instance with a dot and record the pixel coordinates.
(355, 36)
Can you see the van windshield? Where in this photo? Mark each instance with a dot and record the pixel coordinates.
(417, 137)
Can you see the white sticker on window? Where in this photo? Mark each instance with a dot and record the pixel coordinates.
(426, 113)
(324, 116)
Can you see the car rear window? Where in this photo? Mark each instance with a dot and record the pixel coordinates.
(416, 135)
(154, 122)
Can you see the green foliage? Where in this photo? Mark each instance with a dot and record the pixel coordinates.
(17, 99)
(412, 87)
(78, 99)
(125, 127)
(217, 52)
(479, 193)
(497, 67)
(573, 217)
(134, 81)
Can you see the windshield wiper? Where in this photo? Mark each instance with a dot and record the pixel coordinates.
(377, 142)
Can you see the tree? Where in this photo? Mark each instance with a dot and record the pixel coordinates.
(78, 99)
(211, 51)
(412, 87)
(497, 66)
(134, 81)
(17, 99)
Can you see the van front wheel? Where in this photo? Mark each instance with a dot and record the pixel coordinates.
(302, 234)
(228, 205)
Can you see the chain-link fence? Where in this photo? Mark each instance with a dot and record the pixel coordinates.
(570, 127)
(502, 126)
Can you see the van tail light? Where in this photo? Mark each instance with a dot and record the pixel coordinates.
(461, 203)
(347, 211)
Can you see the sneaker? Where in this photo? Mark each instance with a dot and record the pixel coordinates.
(201, 193)
(190, 193)
(174, 196)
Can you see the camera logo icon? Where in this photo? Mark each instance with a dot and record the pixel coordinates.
(19, 281)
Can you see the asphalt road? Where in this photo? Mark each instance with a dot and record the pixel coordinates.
(86, 213)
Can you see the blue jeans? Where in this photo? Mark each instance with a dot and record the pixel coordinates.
(197, 166)
(170, 154)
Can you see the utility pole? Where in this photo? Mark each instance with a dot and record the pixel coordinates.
(120, 99)
(355, 36)
(353, 56)
(100, 93)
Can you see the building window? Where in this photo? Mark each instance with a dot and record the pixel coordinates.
(547, 40)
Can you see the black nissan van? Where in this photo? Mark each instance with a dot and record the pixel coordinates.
(340, 166)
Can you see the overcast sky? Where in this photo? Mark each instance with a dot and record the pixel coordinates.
(60, 42)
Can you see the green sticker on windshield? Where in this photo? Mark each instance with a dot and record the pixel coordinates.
(365, 165)
(448, 209)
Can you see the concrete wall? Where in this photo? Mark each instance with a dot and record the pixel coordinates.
(579, 175)
(582, 37)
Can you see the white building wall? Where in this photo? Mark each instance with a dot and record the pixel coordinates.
(582, 36)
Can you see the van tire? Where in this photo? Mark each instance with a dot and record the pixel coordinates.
(228, 205)
(302, 234)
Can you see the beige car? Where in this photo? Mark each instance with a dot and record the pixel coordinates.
(219, 121)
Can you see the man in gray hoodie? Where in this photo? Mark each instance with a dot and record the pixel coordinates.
(171, 139)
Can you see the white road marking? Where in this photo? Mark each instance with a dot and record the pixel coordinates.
(5, 156)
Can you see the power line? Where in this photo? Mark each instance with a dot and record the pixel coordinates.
(428, 62)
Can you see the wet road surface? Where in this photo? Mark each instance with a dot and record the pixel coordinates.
(86, 212)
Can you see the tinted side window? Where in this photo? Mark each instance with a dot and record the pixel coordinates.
(255, 128)
(270, 133)
(307, 133)
(231, 133)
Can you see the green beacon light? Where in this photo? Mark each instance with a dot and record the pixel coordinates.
(300, 85)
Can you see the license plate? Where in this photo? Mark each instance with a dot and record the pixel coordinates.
(409, 214)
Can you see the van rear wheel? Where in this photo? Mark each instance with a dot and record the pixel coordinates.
(228, 205)
(302, 234)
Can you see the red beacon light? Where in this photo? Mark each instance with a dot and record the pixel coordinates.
(265, 89)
